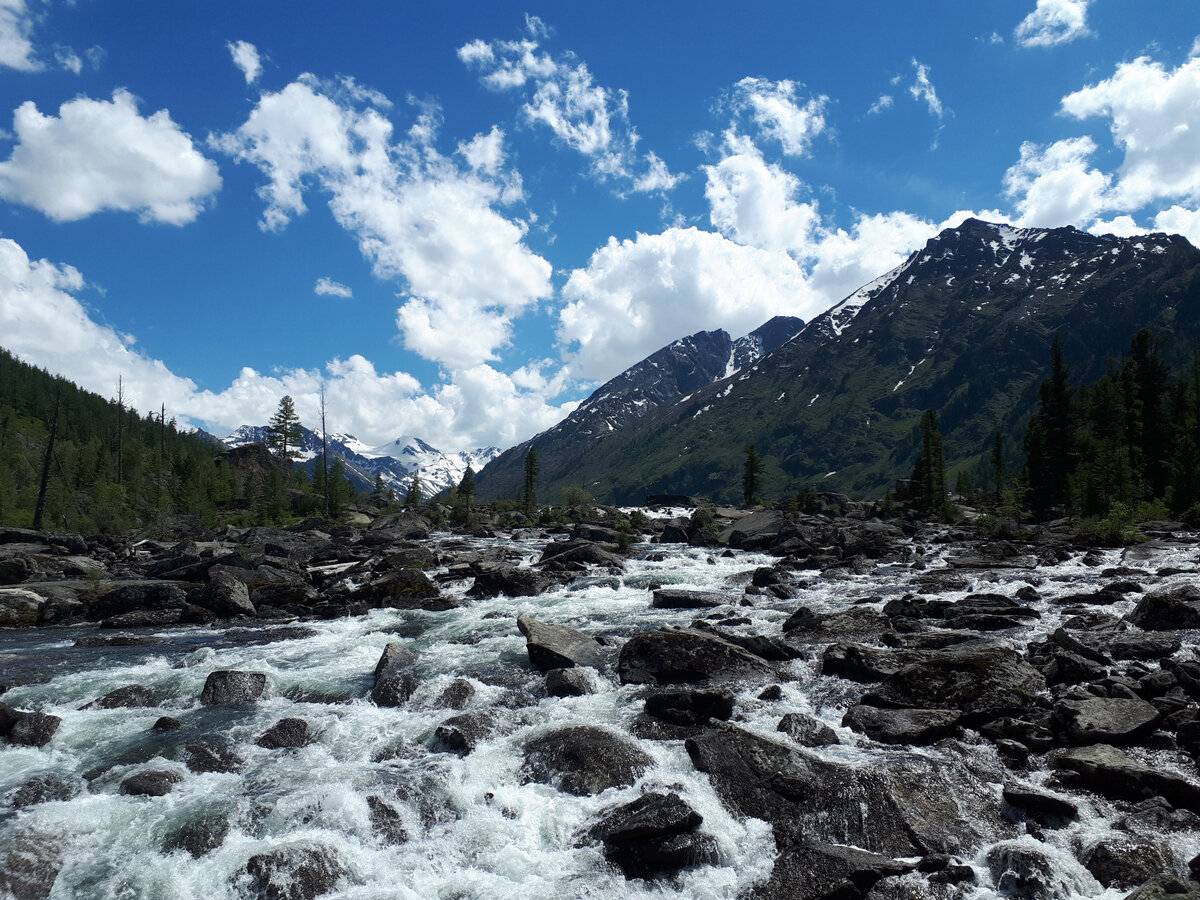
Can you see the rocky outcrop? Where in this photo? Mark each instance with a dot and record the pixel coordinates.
(584, 759)
(688, 656)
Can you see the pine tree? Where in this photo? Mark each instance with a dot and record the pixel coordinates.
(998, 463)
(531, 476)
(413, 497)
(284, 429)
(466, 487)
(928, 489)
(752, 472)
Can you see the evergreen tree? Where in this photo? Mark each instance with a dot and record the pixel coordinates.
(928, 487)
(752, 471)
(998, 463)
(341, 491)
(1049, 443)
(380, 488)
(413, 497)
(466, 487)
(531, 476)
(284, 429)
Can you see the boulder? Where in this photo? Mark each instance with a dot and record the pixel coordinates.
(756, 531)
(580, 552)
(462, 733)
(1045, 809)
(859, 662)
(1127, 861)
(573, 682)
(227, 686)
(584, 759)
(1028, 869)
(19, 607)
(151, 783)
(457, 694)
(287, 733)
(1104, 721)
(198, 837)
(1173, 609)
(558, 646)
(227, 596)
(386, 821)
(818, 871)
(128, 697)
(807, 731)
(653, 835)
(683, 598)
(1115, 774)
(292, 873)
(44, 789)
(394, 679)
(156, 596)
(902, 726)
(690, 707)
(403, 589)
(509, 581)
(212, 755)
(687, 656)
(27, 729)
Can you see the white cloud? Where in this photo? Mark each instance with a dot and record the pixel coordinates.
(417, 215)
(923, 90)
(45, 324)
(1053, 22)
(1055, 185)
(68, 59)
(99, 155)
(563, 96)
(245, 57)
(1178, 220)
(329, 288)
(633, 295)
(779, 115)
(484, 152)
(16, 37)
(885, 101)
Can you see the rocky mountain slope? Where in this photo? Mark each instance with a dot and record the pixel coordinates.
(395, 462)
(963, 327)
(677, 369)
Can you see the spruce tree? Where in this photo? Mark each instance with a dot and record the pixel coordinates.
(284, 429)
(928, 487)
(531, 476)
(413, 497)
(752, 471)
(466, 487)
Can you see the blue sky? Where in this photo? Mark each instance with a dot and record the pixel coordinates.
(458, 219)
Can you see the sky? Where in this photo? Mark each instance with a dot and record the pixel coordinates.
(459, 219)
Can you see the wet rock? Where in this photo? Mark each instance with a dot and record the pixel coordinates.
(128, 697)
(690, 707)
(462, 733)
(687, 656)
(757, 531)
(403, 589)
(156, 596)
(394, 679)
(19, 607)
(1114, 773)
(807, 731)
(1166, 887)
(1045, 809)
(29, 865)
(166, 723)
(1173, 609)
(1104, 721)
(150, 618)
(653, 835)
(510, 581)
(584, 759)
(859, 662)
(44, 789)
(226, 686)
(1127, 861)
(286, 734)
(27, 729)
(1027, 869)
(580, 552)
(228, 597)
(1144, 646)
(212, 755)
(817, 871)
(558, 646)
(292, 873)
(902, 726)
(573, 682)
(198, 837)
(386, 821)
(151, 783)
(856, 624)
(456, 695)
(983, 684)
(682, 598)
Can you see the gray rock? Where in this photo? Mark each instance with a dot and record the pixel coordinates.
(44, 789)
(1026, 869)
(859, 662)
(19, 607)
(690, 707)
(652, 835)
(226, 686)
(682, 598)
(1173, 609)
(817, 871)
(807, 731)
(286, 734)
(212, 755)
(462, 733)
(228, 597)
(1114, 773)
(558, 646)
(1104, 721)
(573, 682)
(386, 821)
(128, 697)
(1127, 861)
(151, 783)
(584, 759)
(292, 873)
(198, 837)
(902, 726)
(1046, 809)
(687, 656)
(394, 678)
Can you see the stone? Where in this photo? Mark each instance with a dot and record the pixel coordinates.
(683, 598)
(462, 733)
(403, 589)
(1026, 869)
(1127, 861)
(1104, 721)
(19, 608)
(1115, 774)
(687, 656)
(690, 707)
(652, 835)
(457, 694)
(558, 646)
(286, 734)
(128, 697)
(44, 789)
(158, 596)
(861, 663)
(584, 759)
(1172, 609)
(394, 679)
(573, 682)
(227, 596)
(817, 871)
(151, 783)
(212, 755)
(226, 686)
(386, 821)
(198, 837)
(510, 581)
(1045, 809)
(807, 731)
(293, 873)
(902, 726)
(27, 729)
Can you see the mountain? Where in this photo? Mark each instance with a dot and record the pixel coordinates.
(395, 462)
(677, 369)
(962, 327)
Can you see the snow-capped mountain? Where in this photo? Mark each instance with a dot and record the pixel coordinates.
(395, 462)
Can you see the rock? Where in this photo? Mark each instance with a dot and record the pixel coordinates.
(44, 789)
(212, 755)
(580, 552)
(858, 623)
(151, 783)
(584, 759)
(1144, 646)
(654, 834)
(1127, 861)
(27, 729)
(983, 684)
(1104, 721)
(166, 723)
(157, 596)
(1113, 773)
(573, 682)
(128, 697)
(807, 731)
(558, 646)
(403, 589)
(682, 598)
(690, 707)
(817, 871)
(859, 662)
(756, 531)
(509, 581)
(1027, 869)
(1173, 609)
(286, 734)
(456, 695)
(1167, 887)
(1045, 809)
(386, 821)
(902, 726)
(687, 655)
(198, 837)
(226, 686)
(462, 733)
(228, 597)
(147, 618)
(19, 607)
(292, 873)
(394, 681)
(29, 864)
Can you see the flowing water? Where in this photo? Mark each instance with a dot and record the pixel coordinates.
(474, 828)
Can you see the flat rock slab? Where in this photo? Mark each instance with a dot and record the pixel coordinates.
(682, 598)
(1113, 773)
(559, 646)
(687, 656)
(1104, 721)
(902, 726)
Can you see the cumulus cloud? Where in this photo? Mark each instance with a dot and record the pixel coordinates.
(100, 155)
(484, 152)
(418, 216)
(245, 57)
(45, 323)
(885, 102)
(327, 287)
(16, 37)
(1056, 185)
(68, 59)
(561, 95)
(779, 114)
(1053, 22)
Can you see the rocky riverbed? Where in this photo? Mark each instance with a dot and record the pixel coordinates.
(773, 705)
